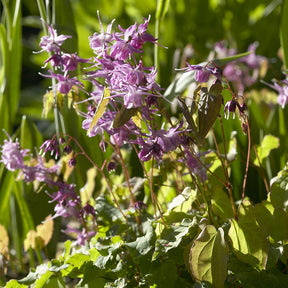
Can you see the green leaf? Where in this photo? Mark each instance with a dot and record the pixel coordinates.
(65, 23)
(284, 32)
(123, 116)
(279, 189)
(43, 279)
(273, 223)
(15, 284)
(209, 257)
(29, 279)
(30, 137)
(171, 236)
(221, 204)
(268, 143)
(77, 260)
(183, 201)
(249, 242)
(93, 276)
(107, 210)
(54, 282)
(208, 108)
(7, 183)
(145, 243)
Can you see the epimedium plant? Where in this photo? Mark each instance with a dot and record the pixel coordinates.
(177, 221)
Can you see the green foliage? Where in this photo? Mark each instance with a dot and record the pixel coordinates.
(194, 232)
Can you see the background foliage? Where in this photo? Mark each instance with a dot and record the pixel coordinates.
(184, 26)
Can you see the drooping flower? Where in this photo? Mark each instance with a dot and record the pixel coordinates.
(203, 72)
(231, 107)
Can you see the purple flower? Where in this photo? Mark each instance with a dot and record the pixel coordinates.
(11, 154)
(202, 73)
(65, 83)
(252, 60)
(98, 42)
(159, 142)
(52, 42)
(39, 172)
(55, 60)
(282, 90)
(195, 166)
(50, 145)
(72, 162)
(82, 236)
(70, 61)
(150, 150)
(139, 205)
(231, 107)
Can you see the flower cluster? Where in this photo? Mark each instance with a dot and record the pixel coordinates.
(12, 156)
(116, 67)
(68, 202)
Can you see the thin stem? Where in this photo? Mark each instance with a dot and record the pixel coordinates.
(262, 174)
(248, 159)
(102, 173)
(225, 168)
(150, 182)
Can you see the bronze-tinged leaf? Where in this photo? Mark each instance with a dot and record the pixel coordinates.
(48, 100)
(4, 241)
(123, 116)
(45, 230)
(41, 237)
(100, 109)
(30, 240)
(208, 109)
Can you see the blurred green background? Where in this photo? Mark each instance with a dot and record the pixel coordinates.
(182, 23)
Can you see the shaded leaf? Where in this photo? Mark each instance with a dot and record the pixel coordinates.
(145, 243)
(123, 116)
(208, 108)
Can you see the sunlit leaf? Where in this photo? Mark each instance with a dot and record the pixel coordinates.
(100, 109)
(249, 242)
(268, 143)
(209, 257)
(221, 204)
(279, 189)
(87, 190)
(183, 201)
(145, 243)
